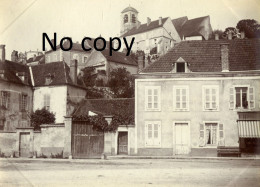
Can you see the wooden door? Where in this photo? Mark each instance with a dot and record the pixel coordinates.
(24, 147)
(181, 138)
(86, 142)
(123, 143)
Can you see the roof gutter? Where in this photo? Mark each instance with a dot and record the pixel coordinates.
(31, 74)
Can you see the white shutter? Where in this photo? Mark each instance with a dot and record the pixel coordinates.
(159, 98)
(217, 97)
(203, 98)
(146, 98)
(146, 133)
(159, 134)
(174, 98)
(221, 135)
(187, 98)
(251, 98)
(231, 98)
(201, 135)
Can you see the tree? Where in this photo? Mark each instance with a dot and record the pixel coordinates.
(88, 76)
(42, 116)
(121, 83)
(250, 27)
(234, 32)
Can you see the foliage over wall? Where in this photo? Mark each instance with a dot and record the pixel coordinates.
(42, 116)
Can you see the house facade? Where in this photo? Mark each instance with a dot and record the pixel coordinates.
(192, 99)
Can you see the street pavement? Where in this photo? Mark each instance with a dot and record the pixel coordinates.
(129, 172)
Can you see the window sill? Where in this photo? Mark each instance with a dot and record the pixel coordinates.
(210, 110)
(153, 110)
(181, 110)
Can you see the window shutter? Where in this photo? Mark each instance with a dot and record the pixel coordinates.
(8, 100)
(187, 99)
(159, 134)
(221, 135)
(201, 136)
(203, 98)
(2, 97)
(174, 98)
(251, 98)
(28, 103)
(146, 98)
(20, 101)
(146, 134)
(217, 98)
(159, 98)
(231, 98)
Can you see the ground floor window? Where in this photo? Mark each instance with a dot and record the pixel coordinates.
(211, 133)
(152, 133)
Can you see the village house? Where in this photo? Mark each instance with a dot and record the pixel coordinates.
(156, 37)
(198, 96)
(24, 89)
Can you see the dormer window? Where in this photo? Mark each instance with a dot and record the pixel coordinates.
(48, 79)
(180, 67)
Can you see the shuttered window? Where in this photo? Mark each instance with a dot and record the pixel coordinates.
(211, 134)
(210, 96)
(242, 97)
(5, 99)
(181, 98)
(47, 101)
(153, 98)
(152, 134)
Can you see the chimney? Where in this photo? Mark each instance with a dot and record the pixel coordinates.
(73, 71)
(148, 21)
(224, 57)
(160, 20)
(230, 36)
(216, 37)
(140, 61)
(138, 23)
(2, 53)
(242, 36)
(34, 57)
(14, 56)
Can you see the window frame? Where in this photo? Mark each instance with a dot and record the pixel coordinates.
(47, 95)
(158, 139)
(218, 132)
(204, 87)
(158, 88)
(181, 87)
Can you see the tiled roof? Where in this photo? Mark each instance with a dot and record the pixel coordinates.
(119, 57)
(129, 9)
(144, 27)
(11, 68)
(59, 71)
(178, 22)
(106, 106)
(205, 56)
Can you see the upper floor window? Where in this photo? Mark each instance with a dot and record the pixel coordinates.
(152, 134)
(152, 98)
(133, 18)
(210, 96)
(47, 101)
(125, 18)
(180, 67)
(180, 98)
(242, 97)
(5, 99)
(23, 102)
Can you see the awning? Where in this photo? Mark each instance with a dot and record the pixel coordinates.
(248, 128)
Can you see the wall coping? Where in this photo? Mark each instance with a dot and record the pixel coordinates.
(7, 131)
(52, 125)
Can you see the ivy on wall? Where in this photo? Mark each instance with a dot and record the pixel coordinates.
(100, 123)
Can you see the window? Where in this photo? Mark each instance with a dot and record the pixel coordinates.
(2, 124)
(180, 67)
(85, 59)
(47, 101)
(242, 97)
(125, 18)
(211, 134)
(152, 134)
(5, 99)
(210, 96)
(180, 98)
(23, 102)
(133, 18)
(152, 98)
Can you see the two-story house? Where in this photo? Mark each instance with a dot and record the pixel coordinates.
(200, 95)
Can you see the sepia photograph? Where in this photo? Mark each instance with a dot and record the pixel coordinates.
(129, 93)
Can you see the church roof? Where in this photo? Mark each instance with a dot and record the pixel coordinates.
(129, 9)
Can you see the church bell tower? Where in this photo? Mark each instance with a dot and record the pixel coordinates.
(129, 19)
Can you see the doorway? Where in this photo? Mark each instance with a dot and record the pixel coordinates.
(182, 138)
(122, 143)
(24, 147)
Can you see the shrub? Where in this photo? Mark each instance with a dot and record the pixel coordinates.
(42, 116)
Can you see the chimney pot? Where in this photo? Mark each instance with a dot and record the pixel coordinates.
(230, 36)
(2, 53)
(148, 21)
(160, 20)
(242, 35)
(216, 37)
(224, 57)
(74, 70)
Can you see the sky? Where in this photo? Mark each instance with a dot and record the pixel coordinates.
(22, 22)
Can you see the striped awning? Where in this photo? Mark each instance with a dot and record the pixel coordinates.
(248, 128)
